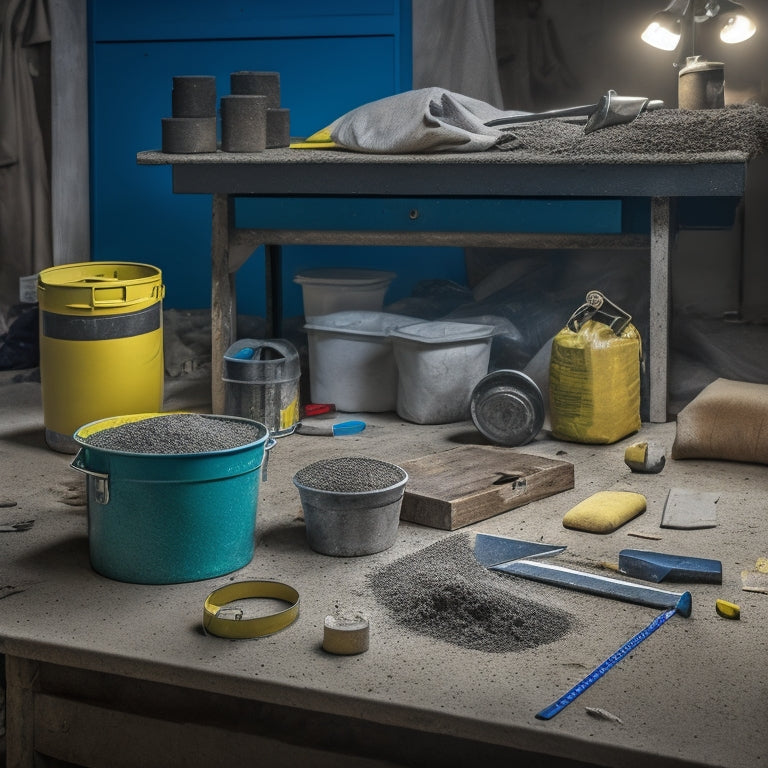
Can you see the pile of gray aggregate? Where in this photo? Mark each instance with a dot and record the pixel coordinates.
(662, 135)
(443, 592)
(349, 474)
(178, 433)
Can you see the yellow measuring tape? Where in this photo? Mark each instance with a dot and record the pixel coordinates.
(227, 622)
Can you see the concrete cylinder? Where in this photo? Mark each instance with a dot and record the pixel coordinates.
(257, 84)
(243, 123)
(189, 135)
(194, 96)
(278, 128)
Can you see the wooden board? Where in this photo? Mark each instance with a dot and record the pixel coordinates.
(464, 485)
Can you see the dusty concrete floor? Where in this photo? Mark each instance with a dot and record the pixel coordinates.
(674, 695)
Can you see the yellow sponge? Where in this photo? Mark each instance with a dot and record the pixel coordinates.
(605, 511)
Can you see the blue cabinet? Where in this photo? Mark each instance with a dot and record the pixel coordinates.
(331, 56)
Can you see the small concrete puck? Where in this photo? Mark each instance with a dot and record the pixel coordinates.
(194, 96)
(645, 457)
(243, 123)
(346, 635)
(189, 135)
(278, 128)
(257, 84)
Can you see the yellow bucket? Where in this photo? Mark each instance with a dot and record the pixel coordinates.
(101, 344)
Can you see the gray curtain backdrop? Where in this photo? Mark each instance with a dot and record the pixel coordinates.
(25, 198)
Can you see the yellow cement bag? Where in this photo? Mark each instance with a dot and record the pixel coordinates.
(594, 375)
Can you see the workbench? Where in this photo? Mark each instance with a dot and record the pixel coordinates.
(108, 674)
(498, 177)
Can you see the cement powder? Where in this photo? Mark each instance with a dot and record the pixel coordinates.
(443, 592)
(179, 433)
(350, 474)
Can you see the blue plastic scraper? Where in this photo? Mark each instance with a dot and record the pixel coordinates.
(332, 430)
(657, 566)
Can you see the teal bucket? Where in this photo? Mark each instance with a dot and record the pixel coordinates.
(160, 518)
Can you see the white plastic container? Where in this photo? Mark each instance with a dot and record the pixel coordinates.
(438, 364)
(326, 291)
(350, 360)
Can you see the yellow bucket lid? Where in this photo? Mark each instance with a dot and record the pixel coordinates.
(99, 287)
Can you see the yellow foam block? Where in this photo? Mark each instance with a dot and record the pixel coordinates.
(605, 511)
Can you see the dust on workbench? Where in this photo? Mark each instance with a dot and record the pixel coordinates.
(443, 592)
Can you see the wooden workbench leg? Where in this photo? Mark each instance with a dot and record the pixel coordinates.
(21, 675)
(658, 353)
(223, 296)
(273, 281)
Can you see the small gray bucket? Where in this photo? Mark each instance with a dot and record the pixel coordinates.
(351, 504)
(262, 383)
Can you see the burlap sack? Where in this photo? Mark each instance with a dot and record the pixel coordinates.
(727, 420)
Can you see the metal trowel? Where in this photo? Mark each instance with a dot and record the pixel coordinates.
(494, 550)
(612, 109)
(509, 556)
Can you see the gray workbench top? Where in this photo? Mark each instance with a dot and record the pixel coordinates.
(695, 693)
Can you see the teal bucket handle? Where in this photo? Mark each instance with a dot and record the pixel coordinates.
(101, 480)
(268, 446)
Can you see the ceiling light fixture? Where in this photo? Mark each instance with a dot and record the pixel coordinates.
(668, 27)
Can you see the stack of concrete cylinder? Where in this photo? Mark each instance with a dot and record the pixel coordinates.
(252, 119)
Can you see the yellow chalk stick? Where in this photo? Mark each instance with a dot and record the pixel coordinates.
(727, 610)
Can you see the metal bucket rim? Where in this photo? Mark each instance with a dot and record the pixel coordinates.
(356, 494)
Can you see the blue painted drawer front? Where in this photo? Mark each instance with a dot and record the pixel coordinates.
(431, 214)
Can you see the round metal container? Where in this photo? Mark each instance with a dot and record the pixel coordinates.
(507, 407)
(351, 504)
(701, 84)
(263, 384)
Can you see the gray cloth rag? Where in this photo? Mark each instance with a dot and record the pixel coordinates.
(423, 120)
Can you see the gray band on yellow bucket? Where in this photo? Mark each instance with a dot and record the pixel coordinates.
(101, 327)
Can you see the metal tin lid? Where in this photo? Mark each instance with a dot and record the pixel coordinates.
(697, 64)
(507, 407)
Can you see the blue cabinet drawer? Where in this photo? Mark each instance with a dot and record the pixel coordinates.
(431, 214)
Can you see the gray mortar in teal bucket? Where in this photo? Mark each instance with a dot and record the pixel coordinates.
(178, 506)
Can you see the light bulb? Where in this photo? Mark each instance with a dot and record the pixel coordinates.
(737, 29)
(660, 36)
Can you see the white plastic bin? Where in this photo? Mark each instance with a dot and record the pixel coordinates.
(438, 364)
(351, 362)
(326, 291)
